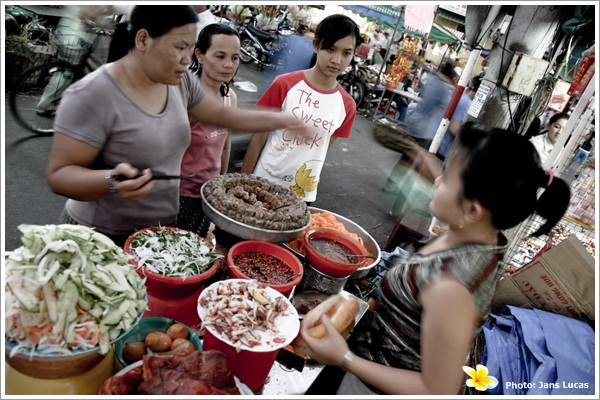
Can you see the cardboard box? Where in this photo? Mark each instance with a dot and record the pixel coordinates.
(562, 281)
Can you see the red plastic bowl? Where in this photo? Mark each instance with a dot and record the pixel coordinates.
(169, 296)
(327, 265)
(269, 248)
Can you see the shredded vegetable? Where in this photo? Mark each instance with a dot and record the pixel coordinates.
(173, 252)
(69, 287)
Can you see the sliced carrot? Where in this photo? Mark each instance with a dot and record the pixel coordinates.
(324, 220)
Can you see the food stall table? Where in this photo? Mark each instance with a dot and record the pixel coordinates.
(289, 381)
(408, 95)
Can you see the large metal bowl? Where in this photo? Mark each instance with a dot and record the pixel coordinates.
(245, 231)
(353, 227)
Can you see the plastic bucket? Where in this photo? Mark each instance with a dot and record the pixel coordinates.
(170, 296)
(174, 297)
(251, 367)
(272, 249)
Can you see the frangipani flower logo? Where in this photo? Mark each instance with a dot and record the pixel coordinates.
(479, 378)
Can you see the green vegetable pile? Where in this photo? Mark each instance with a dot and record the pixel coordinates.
(173, 252)
(69, 287)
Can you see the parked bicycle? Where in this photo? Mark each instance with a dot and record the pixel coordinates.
(49, 80)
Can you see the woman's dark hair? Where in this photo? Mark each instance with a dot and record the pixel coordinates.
(203, 44)
(557, 116)
(335, 27)
(503, 171)
(157, 20)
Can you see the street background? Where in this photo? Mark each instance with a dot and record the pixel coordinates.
(351, 181)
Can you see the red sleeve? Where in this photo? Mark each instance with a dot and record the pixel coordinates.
(345, 129)
(276, 93)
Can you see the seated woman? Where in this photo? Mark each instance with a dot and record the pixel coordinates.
(437, 294)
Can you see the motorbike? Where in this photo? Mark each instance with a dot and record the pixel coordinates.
(358, 81)
(264, 48)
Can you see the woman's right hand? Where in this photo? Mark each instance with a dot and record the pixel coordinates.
(296, 125)
(136, 188)
(330, 348)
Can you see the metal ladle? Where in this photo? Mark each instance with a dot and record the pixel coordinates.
(291, 278)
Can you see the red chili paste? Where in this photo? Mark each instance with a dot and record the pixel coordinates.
(263, 267)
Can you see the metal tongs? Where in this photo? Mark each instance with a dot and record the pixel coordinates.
(121, 177)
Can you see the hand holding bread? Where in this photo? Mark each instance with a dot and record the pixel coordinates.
(340, 311)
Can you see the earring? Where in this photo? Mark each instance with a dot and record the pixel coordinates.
(461, 222)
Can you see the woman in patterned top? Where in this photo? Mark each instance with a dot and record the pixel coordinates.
(437, 294)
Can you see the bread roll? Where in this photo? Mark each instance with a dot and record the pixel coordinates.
(341, 312)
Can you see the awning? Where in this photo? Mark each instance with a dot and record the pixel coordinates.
(444, 35)
(383, 15)
(460, 19)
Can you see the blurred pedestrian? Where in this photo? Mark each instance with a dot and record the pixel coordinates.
(205, 16)
(216, 60)
(425, 120)
(457, 118)
(296, 53)
(73, 38)
(584, 150)
(435, 98)
(404, 102)
(315, 97)
(383, 44)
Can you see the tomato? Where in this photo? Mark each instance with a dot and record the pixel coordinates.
(176, 331)
(183, 346)
(158, 341)
(133, 352)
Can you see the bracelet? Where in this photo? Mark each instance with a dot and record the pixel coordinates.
(109, 182)
(348, 357)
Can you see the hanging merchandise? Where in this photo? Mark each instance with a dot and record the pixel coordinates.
(409, 48)
(559, 98)
(583, 75)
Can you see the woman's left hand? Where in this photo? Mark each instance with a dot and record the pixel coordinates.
(329, 349)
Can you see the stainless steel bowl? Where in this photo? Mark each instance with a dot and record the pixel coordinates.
(246, 231)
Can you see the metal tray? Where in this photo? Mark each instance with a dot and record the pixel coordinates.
(353, 227)
(246, 231)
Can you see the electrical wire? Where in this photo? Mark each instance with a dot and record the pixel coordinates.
(541, 93)
(477, 45)
(510, 116)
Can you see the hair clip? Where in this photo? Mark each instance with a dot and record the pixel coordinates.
(550, 173)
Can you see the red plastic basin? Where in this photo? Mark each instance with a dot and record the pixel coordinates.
(269, 248)
(327, 265)
(172, 297)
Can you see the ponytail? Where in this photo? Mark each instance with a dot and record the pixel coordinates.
(553, 202)
(119, 43)
(502, 170)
